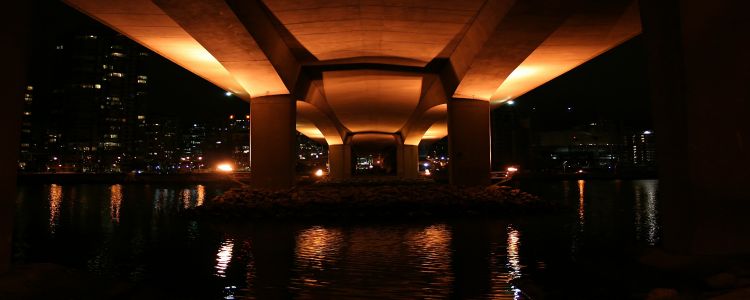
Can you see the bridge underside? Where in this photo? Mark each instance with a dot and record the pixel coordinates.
(361, 71)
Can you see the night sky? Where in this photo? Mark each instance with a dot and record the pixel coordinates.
(612, 86)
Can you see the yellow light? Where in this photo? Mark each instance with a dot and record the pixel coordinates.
(319, 173)
(512, 169)
(225, 167)
(427, 172)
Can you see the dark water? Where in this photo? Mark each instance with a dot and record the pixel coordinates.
(135, 233)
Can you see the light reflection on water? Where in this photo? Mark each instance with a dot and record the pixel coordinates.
(55, 200)
(431, 247)
(646, 222)
(115, 202)
(224, 257)
(401, 260)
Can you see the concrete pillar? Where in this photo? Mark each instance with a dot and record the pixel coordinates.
(700, 68)
(340, 161)
(469, 141)
(407, 158)
(14, 29)
(274, 143)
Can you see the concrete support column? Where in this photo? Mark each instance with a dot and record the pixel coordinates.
(700, 68)
(469, 141)
(274, 143)
(340, 161)
(407, 157)
(14, 29)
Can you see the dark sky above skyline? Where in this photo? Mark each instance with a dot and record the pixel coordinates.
(173, 91)
(612, 86)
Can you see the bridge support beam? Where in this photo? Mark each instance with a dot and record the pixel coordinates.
(339, 161)
(407, 157)
(469, 141)
(14, 29)
(274, 144)
(699, 69)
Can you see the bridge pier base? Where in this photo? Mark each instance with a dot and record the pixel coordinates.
(340, 161)
(407, 161)
(469, 141)
(699, 73)
(274, 143)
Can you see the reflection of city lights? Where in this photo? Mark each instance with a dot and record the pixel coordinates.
(224, 257)
(201, 191)
(317, 248)
(319, 173)
(55, 199)
(225, 167)
(115, 202)
(581, 185)
(514, 260)
(432, 250)
(646, 224)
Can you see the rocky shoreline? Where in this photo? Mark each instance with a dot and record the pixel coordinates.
(334, 200)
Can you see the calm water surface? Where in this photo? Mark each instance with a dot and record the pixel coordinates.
(136, 233)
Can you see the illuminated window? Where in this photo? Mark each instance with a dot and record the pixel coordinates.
(27, 113)
(29, 88)
(141, 117)
(59, 47)
(97, 86)
(118, 54)
(116, 74)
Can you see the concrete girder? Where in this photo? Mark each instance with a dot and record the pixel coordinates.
(372, 100)
(316, 125)
(593, 29)
(215, 26)
(340, 29)
(525, 26)
(426, 122)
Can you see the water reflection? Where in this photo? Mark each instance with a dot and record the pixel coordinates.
(115, 201)
(581, 211)
(224, 257)
(431, 246)
(201, 194)
(646, 212)
(192, 197)
(55, 200)
(514, 260)
(317, 249)
(506, 262)
(186, 196)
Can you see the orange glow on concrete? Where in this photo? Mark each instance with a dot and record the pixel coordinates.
(581, 38)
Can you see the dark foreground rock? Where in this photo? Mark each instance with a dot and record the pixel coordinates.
(359, 200)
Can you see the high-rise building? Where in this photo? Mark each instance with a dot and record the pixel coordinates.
(90, 94)
(27, 147)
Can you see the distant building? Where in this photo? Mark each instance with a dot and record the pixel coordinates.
(88, 103)
(28, 145)
(640, 150)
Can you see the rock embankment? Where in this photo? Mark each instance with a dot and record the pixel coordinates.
(355, 200)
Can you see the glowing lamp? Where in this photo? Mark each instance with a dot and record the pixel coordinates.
(319, 173)
(225, 168)
(512, 169)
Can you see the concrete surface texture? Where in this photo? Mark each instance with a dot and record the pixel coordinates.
(372, 63)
